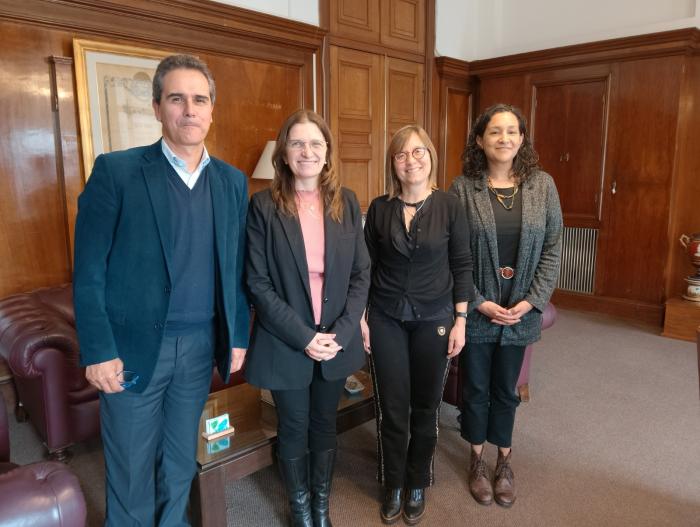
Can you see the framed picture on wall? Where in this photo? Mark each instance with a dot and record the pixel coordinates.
(114, 87)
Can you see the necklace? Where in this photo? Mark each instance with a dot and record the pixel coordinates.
(418, 205)
(503, 197)
(310, 206)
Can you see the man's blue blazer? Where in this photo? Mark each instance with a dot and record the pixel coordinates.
(121, 279)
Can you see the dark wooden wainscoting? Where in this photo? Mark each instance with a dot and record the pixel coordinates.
(263, 66)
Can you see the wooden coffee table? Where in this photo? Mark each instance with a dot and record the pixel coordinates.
(250, 447)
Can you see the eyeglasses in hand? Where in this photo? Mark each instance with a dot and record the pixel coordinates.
(127, 379)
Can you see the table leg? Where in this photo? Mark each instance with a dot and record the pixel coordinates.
(208, 499)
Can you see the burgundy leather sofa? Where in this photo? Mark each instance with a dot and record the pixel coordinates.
(453, 386)
(39, 342)
(44, 494)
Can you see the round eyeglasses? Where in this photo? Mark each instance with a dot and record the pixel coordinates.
(315, 145)
(416, 153)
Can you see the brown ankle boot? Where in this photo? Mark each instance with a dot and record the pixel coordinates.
(479, 483)
(503, 485)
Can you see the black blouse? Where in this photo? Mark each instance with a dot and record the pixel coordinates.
(429, 269)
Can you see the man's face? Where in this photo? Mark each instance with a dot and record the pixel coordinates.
(185, 108)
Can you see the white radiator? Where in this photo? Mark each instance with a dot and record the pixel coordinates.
(578, 258)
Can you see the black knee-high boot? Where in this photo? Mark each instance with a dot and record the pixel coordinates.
(295, 474)
(322, 464)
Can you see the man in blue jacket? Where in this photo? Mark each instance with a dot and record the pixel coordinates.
(159, 251)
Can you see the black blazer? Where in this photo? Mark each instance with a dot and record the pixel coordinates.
(278, 281)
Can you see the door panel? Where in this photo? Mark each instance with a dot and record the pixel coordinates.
(356, 120)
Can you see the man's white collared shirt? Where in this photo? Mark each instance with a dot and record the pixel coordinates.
(190, 179)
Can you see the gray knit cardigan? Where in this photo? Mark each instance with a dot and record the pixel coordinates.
(539, 253)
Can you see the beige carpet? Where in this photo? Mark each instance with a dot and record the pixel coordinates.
(611, 437)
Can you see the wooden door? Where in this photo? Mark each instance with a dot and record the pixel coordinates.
(568, 130)
(639, 168)
(357, 120)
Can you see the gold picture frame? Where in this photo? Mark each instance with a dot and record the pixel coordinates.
(113, 84)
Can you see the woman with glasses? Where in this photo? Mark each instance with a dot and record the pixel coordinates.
(516, 225)
(416, 316)
(308, 275)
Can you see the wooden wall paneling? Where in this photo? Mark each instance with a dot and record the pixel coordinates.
(685, 193)
(66, 136)
(568, 128)
(665, 43)
(403, 24)
(33, 239)
(261, 79)
(639, 165)
(404, 99)
(356, 19)
(357, 120)
(253, 99)
(196, 25)
(455, 117)
(512, 90)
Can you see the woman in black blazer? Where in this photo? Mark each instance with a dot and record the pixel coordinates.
(418, 241)
(308, 275)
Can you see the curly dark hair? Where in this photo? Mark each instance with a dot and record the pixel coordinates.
(474, 162)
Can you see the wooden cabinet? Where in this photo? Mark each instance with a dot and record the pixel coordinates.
(356, 119)
(568, 130)
(403, 24)
(356, 19)
(377, 83)
(397, 24)
(371, 96)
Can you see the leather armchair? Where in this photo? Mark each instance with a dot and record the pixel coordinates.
(452, 393)
(44, 494)
(39, 342)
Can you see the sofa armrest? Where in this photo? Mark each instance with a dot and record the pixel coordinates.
(4, 432)
(44, 494)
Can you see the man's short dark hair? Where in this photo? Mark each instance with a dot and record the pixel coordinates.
(184, 62)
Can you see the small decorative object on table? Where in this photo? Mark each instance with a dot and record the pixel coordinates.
(217, 427)
(353, 385)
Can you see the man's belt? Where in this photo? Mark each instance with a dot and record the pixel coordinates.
(506, 272)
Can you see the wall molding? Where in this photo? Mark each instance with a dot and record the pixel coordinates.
(198, 24)
(646, 313)
(454, 68)
(676, 42)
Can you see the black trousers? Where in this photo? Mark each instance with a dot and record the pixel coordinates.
(306, 418)
(409, 368)
(489, 375)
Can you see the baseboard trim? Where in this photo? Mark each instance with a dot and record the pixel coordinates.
(652, 314)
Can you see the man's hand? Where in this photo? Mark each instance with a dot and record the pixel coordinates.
(237, 358)
(103, 375)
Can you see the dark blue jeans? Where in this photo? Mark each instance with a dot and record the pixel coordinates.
(489, 375)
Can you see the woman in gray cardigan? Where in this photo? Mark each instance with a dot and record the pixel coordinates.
(515, 230)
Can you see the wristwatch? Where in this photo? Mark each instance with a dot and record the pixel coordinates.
(462, 314)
